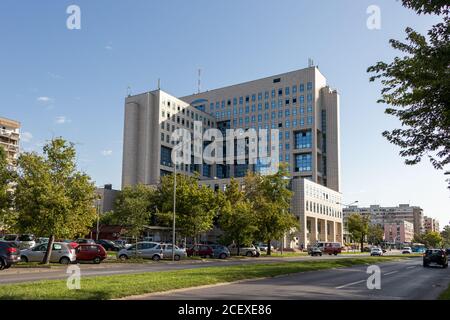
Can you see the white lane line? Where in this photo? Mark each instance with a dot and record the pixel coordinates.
(350, 284)
(411, 267)
(392, 272)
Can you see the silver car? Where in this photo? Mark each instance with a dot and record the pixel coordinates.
(167, 252)
(249, 251)
(145, 250)
(61, 253)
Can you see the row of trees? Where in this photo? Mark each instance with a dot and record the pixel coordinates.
(257, 211)
(361, 231)
(46, 195)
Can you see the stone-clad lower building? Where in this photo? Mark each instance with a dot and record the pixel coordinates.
(299, 105)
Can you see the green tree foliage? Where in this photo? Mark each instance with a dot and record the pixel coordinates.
(375, 234)
(237, 218)
(445, 234)
(358, 227)
(270, 198)
(196, 205)
(7, 177)
(133, 209)
(432, 239)
(416, 87)
(52, 198)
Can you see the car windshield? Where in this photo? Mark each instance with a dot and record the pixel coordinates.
(10, 237)
(26, 237)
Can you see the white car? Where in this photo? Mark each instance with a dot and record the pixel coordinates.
(407, 250)
(61, 253)
(376, 252)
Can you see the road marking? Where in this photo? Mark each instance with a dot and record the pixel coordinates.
(350, 284)
(411, 267)
(392, 272)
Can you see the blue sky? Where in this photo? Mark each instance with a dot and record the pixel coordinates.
(72, 83)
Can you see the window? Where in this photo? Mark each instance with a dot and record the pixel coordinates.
(259, 117)
(309, 97)
(266, 95)
(310, 108)
(253, 108)
(234, 101)
(294, 89)
(241, 100)
(166, 156)
(286, 134)
(266, 105)
(280, 114)
(309, 86)
(310, 119)
(302, 99)
(303, 139)
(247, 98)
(273, 115)
(280, 92)
(286, 91)
(287, 112)
(294, 123)
(276, 80)
(259, 96)
(253, 97)
(273, 93)
(303, 162)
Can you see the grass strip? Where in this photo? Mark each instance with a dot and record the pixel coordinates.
(118, 286)
(445, 295)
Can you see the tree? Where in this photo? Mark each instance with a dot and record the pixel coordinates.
(7, 177)
(445, 234)
(196, 205)
(270, 198)
(375, 234)
(133, 209)
(52, 198)
(432, 239)
(417, 88)
(358, 227)
(237, 218)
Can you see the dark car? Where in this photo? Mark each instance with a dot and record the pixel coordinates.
(9, 254)
(437, 256)
(85, 241)
(109, 245)
(220, 251)
(201, 250)
(91, 252)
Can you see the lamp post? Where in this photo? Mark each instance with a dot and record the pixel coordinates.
(174, 208)
(282, 239)
(346, 205)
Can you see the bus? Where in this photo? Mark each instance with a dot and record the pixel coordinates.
(418, 248)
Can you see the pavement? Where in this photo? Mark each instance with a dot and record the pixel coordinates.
(402, 280)
(19, 275)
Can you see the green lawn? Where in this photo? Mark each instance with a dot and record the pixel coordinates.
(109, 287)
(445, 295)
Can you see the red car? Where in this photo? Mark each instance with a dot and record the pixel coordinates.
(200, 250)
(91, 252)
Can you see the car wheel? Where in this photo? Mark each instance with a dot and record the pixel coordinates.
(177, 257)
(123, 257)
(156, 258)
(425, 265)
(320, 254)
(249, 254)
(97, 260)
(64, 260)
(222, 256)
(335, 254)
(445, 265)
(2, 264)
(24, 259)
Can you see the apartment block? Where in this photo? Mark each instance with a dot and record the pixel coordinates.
(106, 198)
(431, 224)
(399, 232)
(9, 139)
(299, 106)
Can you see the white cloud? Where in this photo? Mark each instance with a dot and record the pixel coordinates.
(54, 75)
(107, 153)
(45, 100)
(26, 136)
(62, 120)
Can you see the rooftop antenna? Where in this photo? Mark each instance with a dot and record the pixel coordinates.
(129, 91)
(199, 80)
(159, 83)
(310, 62)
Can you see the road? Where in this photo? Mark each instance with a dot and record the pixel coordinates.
(405, 279)
(18, 275)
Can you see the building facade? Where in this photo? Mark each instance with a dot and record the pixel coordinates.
(9, 139)
(383, 215)
(399, 232)
(106, 198)
(299, 105)
(430, 224)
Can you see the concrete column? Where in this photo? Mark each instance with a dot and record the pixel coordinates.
(332, 237)
(313, 236)
(325, 230)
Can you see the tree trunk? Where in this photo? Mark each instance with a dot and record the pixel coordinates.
(362, 244)
(238, 248)
(48, 253)
(269, 249)
(135, 248)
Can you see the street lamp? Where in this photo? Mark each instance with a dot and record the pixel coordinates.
(174, 210)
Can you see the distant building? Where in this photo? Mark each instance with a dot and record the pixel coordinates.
(9, 139)
(398, 232)
(383, 215)
(430, 224)
(107, 198)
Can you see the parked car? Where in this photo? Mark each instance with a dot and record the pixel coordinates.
(85, 241)
(220, 251)
(109, 245)
(264, 247)
(447, 251)
(331, 248)
(122, 243)
(42, 240)
(376, 251)
(407, 250)
(9, 254)
(91, 252)
(26, 241)
(178, 252)
(72, 243)
(314, 251)
(11, 238)
(201, 250)
(145, 250)
(61, 253)
(435, 256)
(249, 251)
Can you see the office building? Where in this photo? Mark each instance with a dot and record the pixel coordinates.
(299, 105)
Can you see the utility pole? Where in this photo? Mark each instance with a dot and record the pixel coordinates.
(174, 210)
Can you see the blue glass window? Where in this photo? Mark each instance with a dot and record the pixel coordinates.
(310, 119)
(266, 95)
(309, 86)
(302, 87)
(253, 97)
(260, 106)
(280, 114)
(259, 96)
(310, 108)
(273, 93)
(273, 104)
(302, 122)
(294, 112)
(287, 112)
(253, 118)
(303, 140)
(241, 100)
(266, 116)
(273, 115)
(303, 162)
(286, 91)
(287, 135)
(294, 123)
(234, 101)
(288, 123)
(259, 117)
(309, 97)
(302, 99)
(294, 89)
(266, 105)
(253, 108)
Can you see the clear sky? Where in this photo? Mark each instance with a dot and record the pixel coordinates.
(72, 83)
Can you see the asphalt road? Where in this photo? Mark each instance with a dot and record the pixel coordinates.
(406, 279)
(18, 275)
